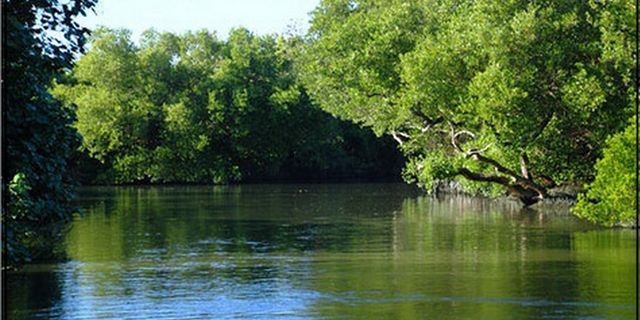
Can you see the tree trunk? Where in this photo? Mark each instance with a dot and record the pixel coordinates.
(526, 196)
(525, 190)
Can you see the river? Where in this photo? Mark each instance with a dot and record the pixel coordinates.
(324, 251)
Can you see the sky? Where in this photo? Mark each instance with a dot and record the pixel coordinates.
(178, 16)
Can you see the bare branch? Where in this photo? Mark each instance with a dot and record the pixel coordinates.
(422, 129)
(484, 177)
(524, 164)
(396, 138)
(485, 148)
(402, 134)
(397, 135)
(454, 142)
(521, 184)
(465, 132)
(454, 139)
(515, 178)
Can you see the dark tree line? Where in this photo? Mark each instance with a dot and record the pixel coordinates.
(37, 136)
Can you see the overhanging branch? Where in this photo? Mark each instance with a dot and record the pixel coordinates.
(474, 176)
(399, 136)
(521, 184)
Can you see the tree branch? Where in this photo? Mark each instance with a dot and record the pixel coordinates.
(428, 121)
(527, 195)
(484, 177)
(545, 122)
(521, 184)
(524, 164)
(500, 168)
(454, 141)
(461, 132)
(397, 135)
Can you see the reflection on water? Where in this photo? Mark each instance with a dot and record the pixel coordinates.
(325, 251)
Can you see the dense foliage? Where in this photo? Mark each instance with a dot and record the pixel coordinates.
(521, 94)
(610, 199)
(193, 108)
(37, 137)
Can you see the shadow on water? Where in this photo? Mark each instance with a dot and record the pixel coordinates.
(325, 251)
(36, 291)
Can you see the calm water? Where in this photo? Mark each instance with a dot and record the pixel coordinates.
(323, 251)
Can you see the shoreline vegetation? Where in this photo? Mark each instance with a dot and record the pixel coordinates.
(193, 108)
(494, 97)
(517, 97)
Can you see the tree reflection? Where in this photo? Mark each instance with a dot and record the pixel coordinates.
(366, 251)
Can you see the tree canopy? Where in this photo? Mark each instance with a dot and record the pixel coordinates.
(517, 93)
(193, 108)
(37, 135)
(611, 199)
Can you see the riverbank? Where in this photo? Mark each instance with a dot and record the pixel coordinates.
(560, 199)
(564, 193)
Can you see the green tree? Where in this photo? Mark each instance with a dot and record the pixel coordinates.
(113, 115)
(37, 135)
(182, 78)
(192, 108)
(610, 199)
(520, 94)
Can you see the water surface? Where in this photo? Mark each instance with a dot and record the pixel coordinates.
(325, 251)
